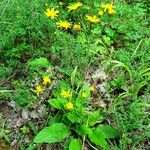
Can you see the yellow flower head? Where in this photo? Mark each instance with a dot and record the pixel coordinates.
(84, 95)
(65, 94)
(92, 19)
(51, 12)
(39, 89)
(92, 88)
(69, 106)
(107, 7)
(76, 27)
(100, 12)
(46, 80)
(74, 6)
(64, 25)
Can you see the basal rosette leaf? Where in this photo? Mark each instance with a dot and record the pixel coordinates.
(52, 134)
(57, 103)
(75, 144)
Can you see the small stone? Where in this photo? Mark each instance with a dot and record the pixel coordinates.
(34, 114)
(25, 114)
(102, 104)
(100, 74)
(101, 87)
(14, 142)
(19, 122)
(12, 104)
(42, 110)
(99, 103)
(26, 140)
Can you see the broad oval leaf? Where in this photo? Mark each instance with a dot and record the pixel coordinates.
(108, 131)
(57, 103)
(98, 138)
(83, 130)
(75, 145)
(54, 133)
(74, 117)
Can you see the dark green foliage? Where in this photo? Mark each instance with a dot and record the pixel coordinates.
(31, 44)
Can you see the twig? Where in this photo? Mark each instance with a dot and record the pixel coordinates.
(137, 48)
(92, 146)
(5, 80)
(83, 142)
(7, 91)
(84, 135)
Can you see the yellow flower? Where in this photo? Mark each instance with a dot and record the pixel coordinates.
(65, 94)
(51, 12)
(46, 80)
(64, 24)
(39, 89)
(111, 11)
(69, 106)
(100, 12)
(74, 6)
(84, 95)
(92, 19)
(107, 7)
(76, 27)
(92, 88)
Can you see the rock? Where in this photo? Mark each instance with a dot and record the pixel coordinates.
(99, 103)
(12, 104)
(101, 88)
(25, 114)
(14, 142)
(42, 111)
(34, 114)
(19, 122)
(26, 140)
(100, 74)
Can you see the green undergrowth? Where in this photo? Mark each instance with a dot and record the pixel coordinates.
(37, 55)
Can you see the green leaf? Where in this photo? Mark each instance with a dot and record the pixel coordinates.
(75, 145)
(66, 144)
(98, 138)
(95, 117)
(107, 40)
(145, 72)
(64, 85)
(39, 63)
(57, 103)
(120, 64)
(83, 130)
(55, 119)
(52, 134)
(108, 131)
(101, 133)
(80, 100)
(31, 146)
(73, 76)
(147, 134)
(74, 117)
(33, 127)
